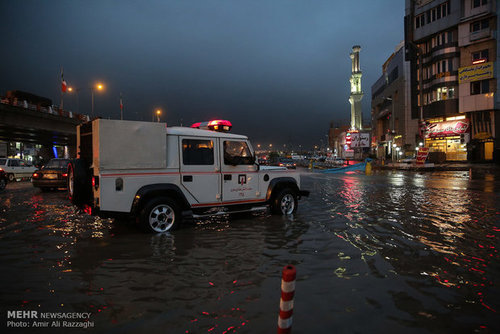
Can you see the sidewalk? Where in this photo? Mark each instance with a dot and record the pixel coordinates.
(452, 166)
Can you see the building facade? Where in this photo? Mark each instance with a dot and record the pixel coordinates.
(394, 131)
(452, 49)
(477, 78)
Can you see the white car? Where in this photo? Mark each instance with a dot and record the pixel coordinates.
(159, 174)
(16, 168)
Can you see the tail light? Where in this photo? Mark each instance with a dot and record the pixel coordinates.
(36, 176)
(95, 181)
(65, 175)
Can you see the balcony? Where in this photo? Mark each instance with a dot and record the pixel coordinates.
(477, 102)
(475, 35)
(441, 108)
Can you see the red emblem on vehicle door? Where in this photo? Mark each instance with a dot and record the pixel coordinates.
(242, 179)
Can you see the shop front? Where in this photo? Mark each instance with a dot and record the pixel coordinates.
(449, 137)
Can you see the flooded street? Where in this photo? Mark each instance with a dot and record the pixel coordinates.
(397, 252)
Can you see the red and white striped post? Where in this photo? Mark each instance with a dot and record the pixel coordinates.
(286, 301)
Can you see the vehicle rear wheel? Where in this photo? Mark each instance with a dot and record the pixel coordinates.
(285, 202)
(161, 214)
(11, 177)
(78, 182)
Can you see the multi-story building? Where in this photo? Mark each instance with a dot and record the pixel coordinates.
(452, 48)
(477, 39)
(394, 131)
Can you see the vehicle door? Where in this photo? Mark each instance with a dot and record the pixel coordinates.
(200, 170)
(24, 170)
(240, 182)
(14, 168)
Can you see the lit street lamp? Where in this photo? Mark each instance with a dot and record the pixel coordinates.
(99, 87)
(158, 114)
(76, 90)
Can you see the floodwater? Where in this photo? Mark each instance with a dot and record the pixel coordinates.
(398, 252)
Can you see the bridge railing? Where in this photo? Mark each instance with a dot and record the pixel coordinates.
(53, 110)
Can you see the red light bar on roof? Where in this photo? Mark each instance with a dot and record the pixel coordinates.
(214, 125)
(479, 61)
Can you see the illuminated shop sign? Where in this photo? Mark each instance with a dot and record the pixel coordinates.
(447, 129)
(475, 72)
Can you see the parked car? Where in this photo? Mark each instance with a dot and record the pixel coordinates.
(52, 175)
(335, 161)
(286, 162)
(3, 179)
(16, 168)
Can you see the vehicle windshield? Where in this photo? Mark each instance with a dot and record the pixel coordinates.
(3, 161)
(57, 163)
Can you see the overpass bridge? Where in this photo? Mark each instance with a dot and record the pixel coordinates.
(27, 123)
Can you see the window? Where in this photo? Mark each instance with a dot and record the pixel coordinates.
(451, 92)
(478, 3)
(197, 152)
(480, 87)
(444, 9)
(237, 153)
(483, 54)
(14, 163)
(442, 93)
(479, 25)
(57, 163)
(445, 93)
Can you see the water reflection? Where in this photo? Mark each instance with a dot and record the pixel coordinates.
(399, 250)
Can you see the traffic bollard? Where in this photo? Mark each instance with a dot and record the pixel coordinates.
(286, 301)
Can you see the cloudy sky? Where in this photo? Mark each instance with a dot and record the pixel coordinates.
(277, 69)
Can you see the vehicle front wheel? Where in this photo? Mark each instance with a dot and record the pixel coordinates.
(11, 177)
(285, 202)
(161, 214)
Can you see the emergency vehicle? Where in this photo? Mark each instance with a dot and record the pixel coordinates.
(161, 174)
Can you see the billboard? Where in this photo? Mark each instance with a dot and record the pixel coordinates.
(447, 129)
(475, 72)
(364, 139)
(355, 139)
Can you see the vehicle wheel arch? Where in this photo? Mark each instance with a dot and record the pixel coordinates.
(277, 184)
(146, 193)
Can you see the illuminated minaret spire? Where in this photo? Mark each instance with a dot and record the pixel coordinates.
(356, 92)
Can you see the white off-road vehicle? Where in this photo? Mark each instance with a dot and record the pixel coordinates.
(159, 175)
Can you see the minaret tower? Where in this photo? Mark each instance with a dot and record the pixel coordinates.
(356, 92)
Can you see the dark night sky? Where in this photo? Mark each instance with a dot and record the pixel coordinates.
(277, 69)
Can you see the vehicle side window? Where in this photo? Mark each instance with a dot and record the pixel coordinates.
(237, 153)
(22, 163)
(197, 152)
(3, 161)
(13, 163)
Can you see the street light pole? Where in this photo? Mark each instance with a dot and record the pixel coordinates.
(76, 90)
(158, 113)
(99, 87)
